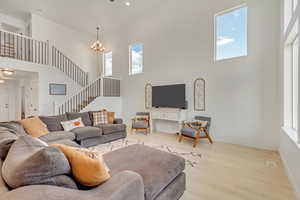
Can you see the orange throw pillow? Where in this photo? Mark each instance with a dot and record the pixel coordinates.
(87, 169)
(111, 117)
(34, 127)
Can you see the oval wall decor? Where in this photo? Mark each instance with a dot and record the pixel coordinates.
(199, 94)
(148, 96)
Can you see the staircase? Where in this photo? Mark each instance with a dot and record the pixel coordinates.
(66, 65)
(27, 49)
(107, 87)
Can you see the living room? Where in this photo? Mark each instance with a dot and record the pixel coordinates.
(200, 95)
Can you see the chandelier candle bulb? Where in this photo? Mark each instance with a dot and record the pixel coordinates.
(98, 46)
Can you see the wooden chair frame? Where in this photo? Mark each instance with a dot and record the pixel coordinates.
(147, 130)
(199, 129)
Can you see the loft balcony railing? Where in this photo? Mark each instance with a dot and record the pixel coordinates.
(23, 48)
(28, 49)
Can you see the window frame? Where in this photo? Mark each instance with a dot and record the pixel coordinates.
(104, 64)
(223, 12)
(130, 58)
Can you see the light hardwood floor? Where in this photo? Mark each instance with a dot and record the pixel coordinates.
(229, 172)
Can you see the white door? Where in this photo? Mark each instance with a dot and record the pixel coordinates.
(4, 105)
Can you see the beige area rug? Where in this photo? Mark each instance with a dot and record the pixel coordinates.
(192, 158)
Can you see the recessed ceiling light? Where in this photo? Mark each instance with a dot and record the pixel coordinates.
(127, 3)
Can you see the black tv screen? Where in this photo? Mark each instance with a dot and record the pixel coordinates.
(169, 96)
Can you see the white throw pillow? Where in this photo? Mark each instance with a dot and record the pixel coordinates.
(72, 124)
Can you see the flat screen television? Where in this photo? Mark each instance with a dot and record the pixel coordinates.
(169, 96)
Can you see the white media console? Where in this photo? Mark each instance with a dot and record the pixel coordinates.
(164, 115)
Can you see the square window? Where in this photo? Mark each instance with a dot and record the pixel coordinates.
(135, 59)
(231, 33)
(107, 64)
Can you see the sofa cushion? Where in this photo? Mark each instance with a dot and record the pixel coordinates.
(3, 187)
(58, 135)
(118, 121)
(53, 122)
(140, 124)
(34, 127)
(157, 168)
(14, 127)
(66, 142)
(6, 140)
(32, 162)
(87, 132)
(84, 116)
(112, 128)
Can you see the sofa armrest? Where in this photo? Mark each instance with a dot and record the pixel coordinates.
(118, 121)
(126, 185)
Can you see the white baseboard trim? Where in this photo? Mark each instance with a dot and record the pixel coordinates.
(290, 176)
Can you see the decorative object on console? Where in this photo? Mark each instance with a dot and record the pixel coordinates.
(197, 129)
(57, 89)
(148, 96)
(72, 124)
(199, 94)
(141, 122)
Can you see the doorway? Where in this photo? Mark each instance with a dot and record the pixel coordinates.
(4, 104)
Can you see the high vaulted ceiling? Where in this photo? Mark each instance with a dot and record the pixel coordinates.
(83, 15)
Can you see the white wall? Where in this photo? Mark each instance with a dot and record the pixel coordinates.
(73, 43)
(46, 75)
(112, 104)
(15, 25)
(242, 95)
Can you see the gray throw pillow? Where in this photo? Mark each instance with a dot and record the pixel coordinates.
(14, 127)
(54, 122)
(6, 140)
(30, 161)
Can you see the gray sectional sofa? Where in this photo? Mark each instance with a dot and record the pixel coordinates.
(137, 172)
(85, 136)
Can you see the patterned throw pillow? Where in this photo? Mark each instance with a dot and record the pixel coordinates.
(72, 124)
(100, 117)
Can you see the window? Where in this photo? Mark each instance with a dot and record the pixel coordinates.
(107, 64)
(291, 84)
(135, 59)
(295, 55)
(231, 33)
